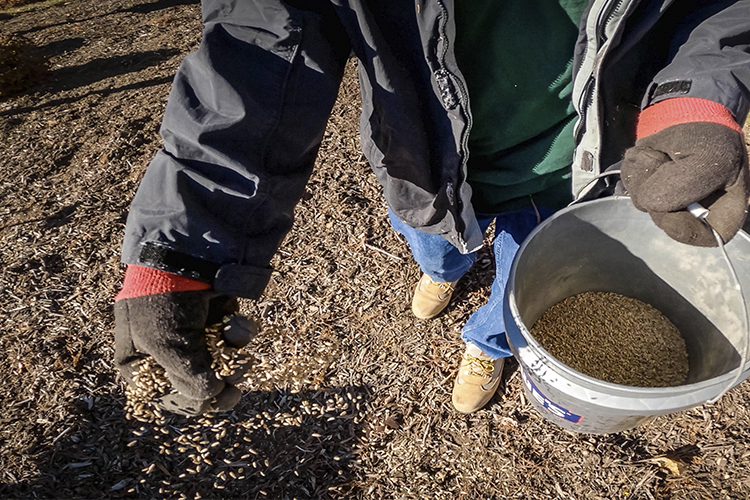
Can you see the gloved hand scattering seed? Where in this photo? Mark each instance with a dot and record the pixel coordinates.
(150, 382)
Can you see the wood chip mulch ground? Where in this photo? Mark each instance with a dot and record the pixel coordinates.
(349, 396)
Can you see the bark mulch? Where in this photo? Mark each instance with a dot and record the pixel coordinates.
(349, 396)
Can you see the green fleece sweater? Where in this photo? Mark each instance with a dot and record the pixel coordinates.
(517, 58)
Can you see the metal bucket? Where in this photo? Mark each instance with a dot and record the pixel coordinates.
(608, 246)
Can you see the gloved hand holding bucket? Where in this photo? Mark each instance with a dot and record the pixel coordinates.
(688, 152)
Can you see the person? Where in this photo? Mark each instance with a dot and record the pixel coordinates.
(472, 112)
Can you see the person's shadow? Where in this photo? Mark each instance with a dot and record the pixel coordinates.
(274, 444)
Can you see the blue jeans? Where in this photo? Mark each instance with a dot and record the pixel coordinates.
(442, 262)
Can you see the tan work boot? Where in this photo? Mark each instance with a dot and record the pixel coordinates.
(477, 380)
(431, 297)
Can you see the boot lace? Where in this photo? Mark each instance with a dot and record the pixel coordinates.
(444, 287)
(478, 366)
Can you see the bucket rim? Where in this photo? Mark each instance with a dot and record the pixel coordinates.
(531, 342)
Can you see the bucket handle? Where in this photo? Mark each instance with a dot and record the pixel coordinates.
(700, 212)
(590, 185)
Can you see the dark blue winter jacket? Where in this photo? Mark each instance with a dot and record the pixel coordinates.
(248, 109)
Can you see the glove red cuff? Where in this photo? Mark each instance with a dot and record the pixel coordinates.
(679, 110)
(140, 281)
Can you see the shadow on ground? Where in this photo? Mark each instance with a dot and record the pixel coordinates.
(138, 9)
(158, 5)
(82, 75)
(103, 92)
(277, 444)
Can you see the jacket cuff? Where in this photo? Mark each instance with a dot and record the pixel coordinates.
(680, 110)
(241, 280)
(238, 280)
(140, 281)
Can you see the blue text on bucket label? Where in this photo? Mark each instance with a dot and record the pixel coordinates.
(546, 403)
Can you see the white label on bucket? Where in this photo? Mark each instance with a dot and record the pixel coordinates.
(553, 408)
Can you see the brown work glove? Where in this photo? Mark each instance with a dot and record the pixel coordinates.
(689, 150)
(164, 316)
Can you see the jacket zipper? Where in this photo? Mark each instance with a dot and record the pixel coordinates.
(584, 103)
(462, 102)
(604, 17)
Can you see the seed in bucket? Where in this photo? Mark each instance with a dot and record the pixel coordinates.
(614, 338)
